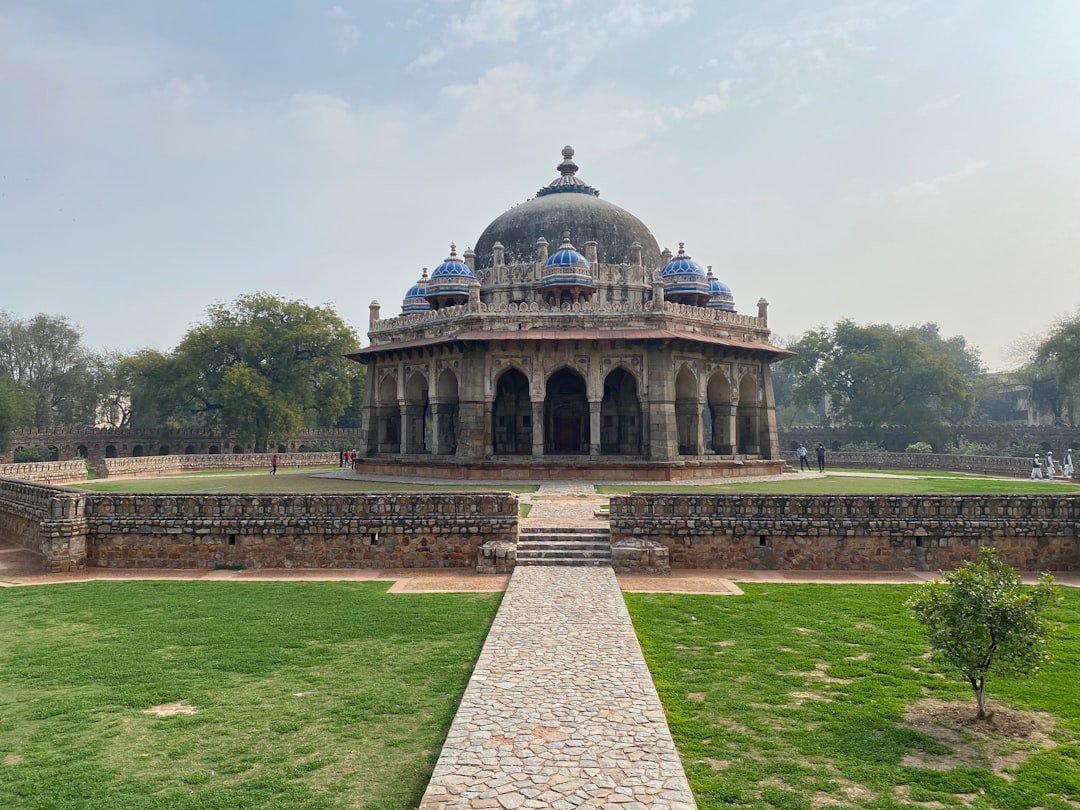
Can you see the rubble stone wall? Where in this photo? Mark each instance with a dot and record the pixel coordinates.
(170, 465)
(866, 533)
(1005, 466)
(46, 472)
(45, 519)
(297, 531)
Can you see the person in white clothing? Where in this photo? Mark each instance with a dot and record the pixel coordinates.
(1049, 466)
(1067, 467)
(1036, 468)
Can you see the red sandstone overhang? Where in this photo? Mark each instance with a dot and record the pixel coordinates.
(575, 334)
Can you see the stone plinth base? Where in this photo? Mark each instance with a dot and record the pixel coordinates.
(566, 468)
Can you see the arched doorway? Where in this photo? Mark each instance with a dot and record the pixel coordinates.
(511, 415)
(718, 393)
(748, 415)
(189, 450)
(417, 415)
(163, 450)
(566, 414)
(82, 451)
(687, 414)
(620, 415)
(389, 417)
(444, 414)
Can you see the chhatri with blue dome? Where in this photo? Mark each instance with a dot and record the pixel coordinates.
(569, 345)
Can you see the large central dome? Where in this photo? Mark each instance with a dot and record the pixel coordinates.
(567, 204)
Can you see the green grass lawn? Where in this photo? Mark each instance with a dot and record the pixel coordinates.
(847, 485)
(793, 697)
(307, 695)
(242, 482)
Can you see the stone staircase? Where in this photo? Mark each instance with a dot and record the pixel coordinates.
(571, 546)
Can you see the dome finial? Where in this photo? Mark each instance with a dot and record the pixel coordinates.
(568, 167)
(682, 246)
(453, 250)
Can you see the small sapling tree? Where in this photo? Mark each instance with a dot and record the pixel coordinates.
(983, 619)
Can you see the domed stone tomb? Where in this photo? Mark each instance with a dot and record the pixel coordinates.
(569, 345)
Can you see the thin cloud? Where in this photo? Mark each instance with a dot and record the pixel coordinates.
(347, 38)
(644, 15)
(938, 105)
(922, 189)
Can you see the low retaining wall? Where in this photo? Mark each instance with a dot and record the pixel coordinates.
(869, 533)
(46, 472)
(1005, 466)
(171, 465)
(47, 520)
(296, 531)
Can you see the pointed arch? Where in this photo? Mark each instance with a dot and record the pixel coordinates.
(566, 413)
(388, 414)
(444, 414)
(749, 415)
(721, 414)
(620, 414)
(511, 414)
(687, 412)
(417, 414)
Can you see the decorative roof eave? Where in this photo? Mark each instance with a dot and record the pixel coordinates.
(532, 335)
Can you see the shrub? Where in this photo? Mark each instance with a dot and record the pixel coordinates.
(919, 447)
(860, 447)
(32, 455)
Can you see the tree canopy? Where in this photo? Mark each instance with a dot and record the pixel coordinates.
(257, 367)
(867, 377)
(983, 619)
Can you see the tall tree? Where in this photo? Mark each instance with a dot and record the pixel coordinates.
(878, 375)
(263, 366)
(45, 357)
(1059, 353)
(14, 410)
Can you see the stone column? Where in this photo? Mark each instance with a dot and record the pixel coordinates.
(403, 427)
(538, 428)
(436, 424)
(660, 423)
(732, 428)
(474, 432)
(594, 428)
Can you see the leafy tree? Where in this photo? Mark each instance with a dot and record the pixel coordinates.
(1058, 356)
(14, 410)
(258, 367)
(878, 375)
(47, 360)
(983, 619)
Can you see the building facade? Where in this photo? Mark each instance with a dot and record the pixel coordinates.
(532, 357)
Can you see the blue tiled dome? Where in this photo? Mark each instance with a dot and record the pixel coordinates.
(451, 278)
(682, 265)
(415, 298)
(721, 297)
(453, 268)
(567, 257)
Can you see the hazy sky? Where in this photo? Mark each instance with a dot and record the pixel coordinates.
(896, 162)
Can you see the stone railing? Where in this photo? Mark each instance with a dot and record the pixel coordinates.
(853, 532)
(1006, 466)
(171, 465)
(297, 531)
(597, 308)
(47, 520)
(46, 472)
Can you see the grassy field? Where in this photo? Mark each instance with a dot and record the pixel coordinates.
(850, 485)
(794, 696)
(304, 695)
(307, 480)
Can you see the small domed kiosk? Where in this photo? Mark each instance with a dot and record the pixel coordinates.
(604, 357)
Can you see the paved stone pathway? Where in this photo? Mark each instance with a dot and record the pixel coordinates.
(560, 712)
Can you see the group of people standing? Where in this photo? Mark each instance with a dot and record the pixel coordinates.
(1041, 468)
(804, 463)
(346, 458)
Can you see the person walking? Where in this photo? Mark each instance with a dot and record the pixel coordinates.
(1036, 468)
(1067, 465)
(1049, 465)
(273, 464)
(804, 462)
(821, 457)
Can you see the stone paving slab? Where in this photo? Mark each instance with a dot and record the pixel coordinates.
(561, 711)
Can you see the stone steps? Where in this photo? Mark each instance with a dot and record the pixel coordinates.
(573, 546)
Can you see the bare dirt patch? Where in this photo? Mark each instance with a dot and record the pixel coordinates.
(170, 709)
(1001, 742)
(696, 696)
(12, 759)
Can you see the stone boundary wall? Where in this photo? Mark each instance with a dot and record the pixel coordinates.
(1048, 437)
(45, 519)
(851, 532)
(170, 465)
(72, 530)
(1005, 466)
(46, 472)
(297, 531)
